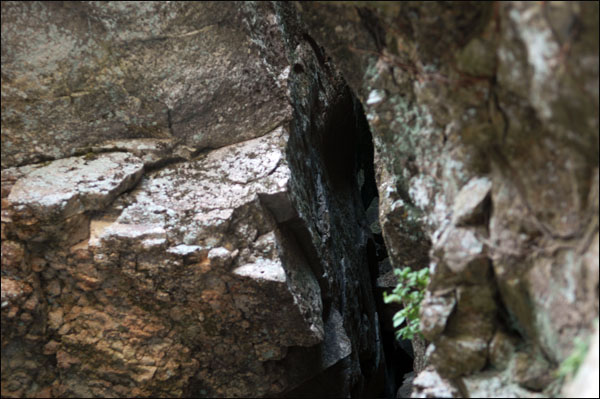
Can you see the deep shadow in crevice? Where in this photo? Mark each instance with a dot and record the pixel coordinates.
(331, 158)
(398, 354)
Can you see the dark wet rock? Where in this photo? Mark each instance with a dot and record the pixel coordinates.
(405, 390)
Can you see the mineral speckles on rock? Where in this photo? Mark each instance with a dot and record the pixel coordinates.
(51, 202)
(482, 139)
(248, 161)
(201, 223)
(171, 291)
(144, 70)
(207, 190)
(263, 269)
(429, 384)
(163, 292)
(74, 185)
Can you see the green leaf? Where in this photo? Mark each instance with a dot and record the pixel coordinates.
(409, 291)
(392, 298)
(398, 321)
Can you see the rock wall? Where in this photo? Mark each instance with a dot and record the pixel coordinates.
(195, 227)
(189, 205)
(485, 124)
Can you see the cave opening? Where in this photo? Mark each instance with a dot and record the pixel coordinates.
(332, 160)
(345, 147)
(399, 356)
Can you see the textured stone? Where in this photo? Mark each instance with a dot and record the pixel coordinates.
(172, 71)
(469, 203)
(50, 202)
(429, 384)
(532, 371)
(484, 122)
(74, 185)
(13, 255)
(497, 385)
(12, 290)
(435, 311)
(453, 356)
(206, 276)
(501, 350)
(483, 117)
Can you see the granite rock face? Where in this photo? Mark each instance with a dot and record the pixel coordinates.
(189, 205)
(49, 199)
(194, 229)
(485, 125)
(75, 75)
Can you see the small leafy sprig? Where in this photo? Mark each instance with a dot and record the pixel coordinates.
(409, 292)
(568, 368)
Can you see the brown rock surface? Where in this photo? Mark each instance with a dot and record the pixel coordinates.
(169, 244)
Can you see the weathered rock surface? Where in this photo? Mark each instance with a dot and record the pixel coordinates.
(195, 229)
(194, 261)
(485, 124)
(188, 206)
(128, 71)
(46, 202)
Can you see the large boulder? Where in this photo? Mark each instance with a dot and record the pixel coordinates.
(194, 227)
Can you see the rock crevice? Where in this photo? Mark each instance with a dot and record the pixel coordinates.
(204, 199)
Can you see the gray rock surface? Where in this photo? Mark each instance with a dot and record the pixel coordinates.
(155, 70)
(67, 188)
(470, 201)
(485, 121)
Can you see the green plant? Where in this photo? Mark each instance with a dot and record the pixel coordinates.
(571, 364)
(409, 292)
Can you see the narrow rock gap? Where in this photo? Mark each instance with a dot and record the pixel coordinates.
(333, 150)
(398, 354)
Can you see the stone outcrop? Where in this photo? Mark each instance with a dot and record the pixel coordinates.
(485, 124)
(194, 229)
